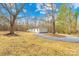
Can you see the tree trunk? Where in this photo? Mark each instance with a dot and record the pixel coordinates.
(53, 27)
(11, 28)
(76, 26)
(12, 24)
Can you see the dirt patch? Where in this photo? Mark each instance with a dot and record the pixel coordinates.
(56, 35)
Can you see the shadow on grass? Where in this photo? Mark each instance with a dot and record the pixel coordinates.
(8, 34)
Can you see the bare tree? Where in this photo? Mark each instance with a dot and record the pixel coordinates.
(53, 18)
(13, 11)
(52, 7)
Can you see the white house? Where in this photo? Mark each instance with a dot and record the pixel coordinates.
(38, 30)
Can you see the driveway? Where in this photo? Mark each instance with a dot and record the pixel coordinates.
(66, 39)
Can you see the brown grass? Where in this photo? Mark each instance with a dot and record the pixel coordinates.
(76, 34)
(29, 45)
(56, 35)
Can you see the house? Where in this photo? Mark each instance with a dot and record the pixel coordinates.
(38, 30)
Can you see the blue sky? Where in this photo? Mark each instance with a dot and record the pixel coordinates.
(32, 7)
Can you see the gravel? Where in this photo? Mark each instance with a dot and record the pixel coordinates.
(66, 39)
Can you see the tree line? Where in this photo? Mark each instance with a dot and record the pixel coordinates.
(64, 21)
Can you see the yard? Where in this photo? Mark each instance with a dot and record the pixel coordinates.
(27, 44)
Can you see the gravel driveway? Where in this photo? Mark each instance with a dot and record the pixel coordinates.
(66, 39)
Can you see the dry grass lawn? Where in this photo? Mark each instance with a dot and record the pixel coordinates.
(26, 44)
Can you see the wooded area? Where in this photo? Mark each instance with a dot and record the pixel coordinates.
(65, 21)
